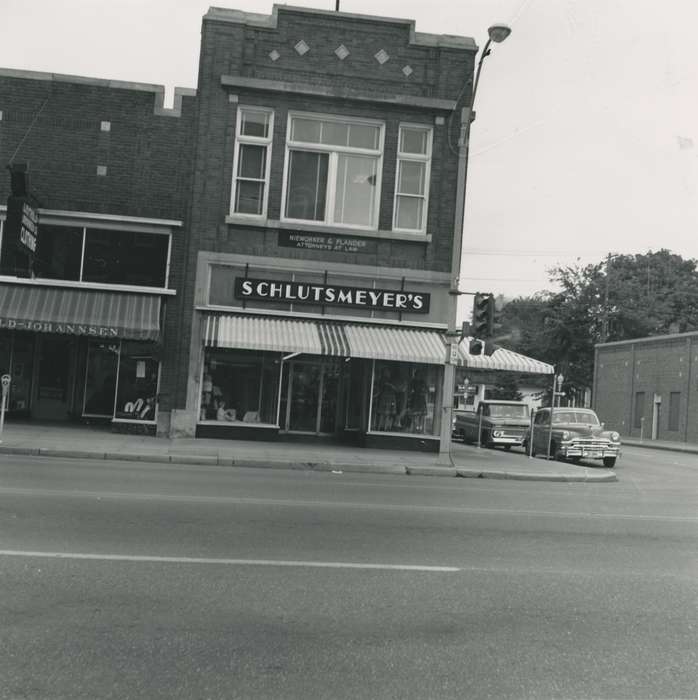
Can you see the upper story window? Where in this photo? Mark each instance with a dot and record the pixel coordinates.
(412, 178)
(251, 162)
(333, 170)
(104, 256)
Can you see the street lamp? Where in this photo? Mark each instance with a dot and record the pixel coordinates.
(497, 33)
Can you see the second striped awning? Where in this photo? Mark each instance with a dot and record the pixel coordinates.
(324, 338)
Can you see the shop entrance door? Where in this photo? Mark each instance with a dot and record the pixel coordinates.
(312, 390)
(55, 377)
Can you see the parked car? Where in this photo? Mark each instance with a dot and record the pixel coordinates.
(576, 434)
(494, 423)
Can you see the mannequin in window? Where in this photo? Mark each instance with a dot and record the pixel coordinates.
(417, 401)
(224, 413)
(386, 401)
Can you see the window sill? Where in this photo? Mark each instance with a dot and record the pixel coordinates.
(237, 220)
(236, 424)
(48, 282)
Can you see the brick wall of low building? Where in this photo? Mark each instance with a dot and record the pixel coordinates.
(659, 366)
(53, 124)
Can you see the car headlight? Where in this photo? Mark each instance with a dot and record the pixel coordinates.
(615, 437)
(497, 433)
(566, 435)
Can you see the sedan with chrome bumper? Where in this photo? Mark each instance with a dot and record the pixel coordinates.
(576, 434)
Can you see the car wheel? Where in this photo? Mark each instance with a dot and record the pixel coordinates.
(609, 462)
(575, 460)
(507, 447)
(484, 440)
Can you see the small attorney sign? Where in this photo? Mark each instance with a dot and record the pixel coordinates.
(332, 295)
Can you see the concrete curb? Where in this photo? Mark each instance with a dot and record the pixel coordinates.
(679, 447)
(321, 466)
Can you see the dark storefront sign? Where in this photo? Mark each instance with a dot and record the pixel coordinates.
(324, 242)
(332, 295)
(21, 224)
(66, 328)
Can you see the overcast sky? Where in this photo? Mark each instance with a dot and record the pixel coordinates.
(585, 140)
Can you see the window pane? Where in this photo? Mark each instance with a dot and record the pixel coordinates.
(138, 384)
(305, 130)
(240, 387)
(413, 140)
(249, 197)
(335, 133)
(58, 252)
(356, 190)
(252, 161)
(307, 186)
(363, 136)
(411, 177)
(409, 213)
(100, 382)
(405, 397)
(255, 123)
(125, 257)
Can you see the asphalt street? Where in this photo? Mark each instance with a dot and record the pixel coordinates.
(134, 580)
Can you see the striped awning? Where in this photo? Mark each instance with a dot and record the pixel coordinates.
(323, 338)
(99, 314)
(501, 359)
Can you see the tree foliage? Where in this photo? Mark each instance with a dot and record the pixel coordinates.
(618, 298)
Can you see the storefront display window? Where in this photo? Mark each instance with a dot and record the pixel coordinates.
(240, 387)
(100, 379)
(405, 397)
(136, 398)
(22, 366)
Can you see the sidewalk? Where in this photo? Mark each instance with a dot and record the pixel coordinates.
(91, 442)
(661, 445)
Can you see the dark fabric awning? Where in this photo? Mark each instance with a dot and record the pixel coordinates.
(99, 314)
(324, 338)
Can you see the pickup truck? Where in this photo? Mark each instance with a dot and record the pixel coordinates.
(494, 423)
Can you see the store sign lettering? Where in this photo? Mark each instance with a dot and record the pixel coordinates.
(51, 327)
(334, 295)
(21, 224)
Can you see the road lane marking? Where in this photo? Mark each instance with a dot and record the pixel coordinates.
(228, 562)
(287, 503)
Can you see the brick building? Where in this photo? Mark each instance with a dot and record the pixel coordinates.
(88, 302)
(322, 227)
(271, 258)
(648, 387)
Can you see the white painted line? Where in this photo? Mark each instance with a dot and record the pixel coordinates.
(227, 562)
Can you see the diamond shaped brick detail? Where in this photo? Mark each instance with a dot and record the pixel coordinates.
(301, 48)
(407, 70)
(274, 55)
(382, 56)
(342, 52)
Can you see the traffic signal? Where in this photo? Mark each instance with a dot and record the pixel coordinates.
(483, 315)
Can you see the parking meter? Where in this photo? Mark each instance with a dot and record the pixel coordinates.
(5, 383)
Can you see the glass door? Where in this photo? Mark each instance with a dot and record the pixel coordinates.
(56, 359)
(304, 394)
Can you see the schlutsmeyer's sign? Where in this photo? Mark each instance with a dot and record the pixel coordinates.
(51, 327)
(21, 224)
(325, 242)
(332, 295)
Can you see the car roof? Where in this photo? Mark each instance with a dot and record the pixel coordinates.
(569, 408)
(508, 403)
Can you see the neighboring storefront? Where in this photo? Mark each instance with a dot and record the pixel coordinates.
(81, 338)
(281, 350)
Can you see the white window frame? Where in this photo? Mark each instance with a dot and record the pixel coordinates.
(419, 158)
(241, 139)
(333, 152)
